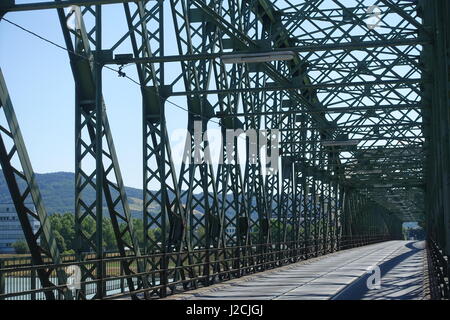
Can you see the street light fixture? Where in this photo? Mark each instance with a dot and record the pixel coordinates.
(338, 143)
(367, 171)
(257, 57)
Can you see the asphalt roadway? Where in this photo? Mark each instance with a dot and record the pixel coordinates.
(387, 270)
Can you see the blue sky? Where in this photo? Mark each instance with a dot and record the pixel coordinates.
(41, 86)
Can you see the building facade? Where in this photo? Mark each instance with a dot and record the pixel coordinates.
(10, 228)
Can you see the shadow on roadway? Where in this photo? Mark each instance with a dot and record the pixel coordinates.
(358, 289)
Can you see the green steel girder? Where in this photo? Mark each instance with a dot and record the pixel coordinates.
(106, 178)
(11, 6)
(412, 81)
(295, 87)
(436, 95)
(244, 42)
(158, 164)
(197, 175)
(27, 199)
(302, 49)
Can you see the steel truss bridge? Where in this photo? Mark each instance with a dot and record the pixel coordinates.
(361, 107)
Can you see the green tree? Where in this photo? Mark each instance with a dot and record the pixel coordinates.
(155, 233)
(68, 230)
(139, 230)
(61, 243)
(21, 247)
(109, 238)
(200, 232)
(64, 230)
(138, 225)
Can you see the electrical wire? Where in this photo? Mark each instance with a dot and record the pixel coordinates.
(119, 72)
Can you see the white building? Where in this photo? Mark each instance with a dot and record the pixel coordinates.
(10, 228)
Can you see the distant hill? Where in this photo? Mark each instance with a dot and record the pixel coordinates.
(58, 193)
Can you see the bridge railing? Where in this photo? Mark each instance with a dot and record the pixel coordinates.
(183, 271)
(438, 270)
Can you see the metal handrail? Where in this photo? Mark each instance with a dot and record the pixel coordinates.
(258, 257)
